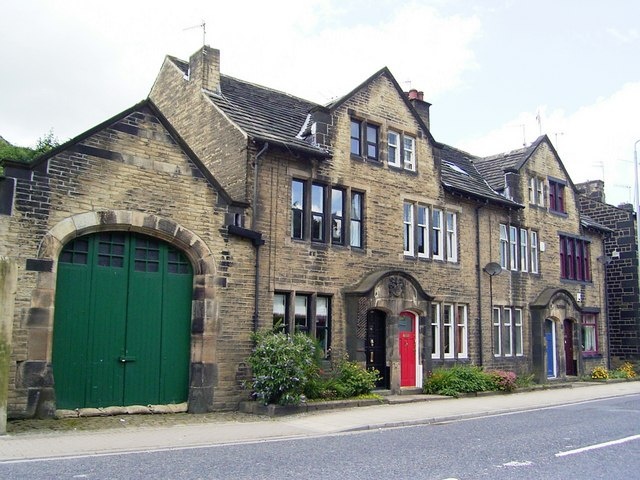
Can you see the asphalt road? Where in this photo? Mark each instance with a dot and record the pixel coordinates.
(595, 440)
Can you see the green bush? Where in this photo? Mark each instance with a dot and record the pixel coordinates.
(347, 379)
(458, 379)
(282, 366)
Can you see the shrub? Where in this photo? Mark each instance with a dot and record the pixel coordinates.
(525, 381)
(459, 379)
(503, 381)
(347, 379)
(282, 365)
(353, 379)
(627, 370)
(599, 373)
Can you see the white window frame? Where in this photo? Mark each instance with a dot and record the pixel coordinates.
(408, 225)
(409, 153)
(504, 246)
(497, 331)
(524, 250)
(517, 330)
(452, 238)
(462, 331)
(448, 330)
(423, 230)
(535, 258)
(301, 308)
(437, 234)
(435, 330)
(513, 247)
(532, 190)
(507, 324)
(393, 160)
(540, 192)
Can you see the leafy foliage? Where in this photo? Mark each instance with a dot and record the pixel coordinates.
(600, 373)
(282, 366)
(14, 153)
(347, 379)
(503, 381)
(458, 379)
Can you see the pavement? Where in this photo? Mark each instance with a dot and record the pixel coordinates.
(403, 410)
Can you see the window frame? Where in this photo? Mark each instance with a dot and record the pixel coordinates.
(518, 332)
(575, 258)
(319, 234)
(437, 235)
(497, 331)
(507, 326)
(452, 236)
(410, 162)
(462, 331)
(513, 248)
(337, 216)
(504, 246)
(557, 196)
(535, 252)
(408, 229)
(435, 331)
(298, 305)
(361, 133)
(524, 250)
(396, 149)
(591, 326)
(298, 211)
(356, 224)
(422, 231)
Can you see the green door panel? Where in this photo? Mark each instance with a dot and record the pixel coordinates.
(71, 326)
(108, 319)
(122, 322)
(176, 328)
(144, 322)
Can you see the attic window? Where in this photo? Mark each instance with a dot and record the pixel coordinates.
(456, 168)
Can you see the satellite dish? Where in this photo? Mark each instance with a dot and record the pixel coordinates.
(493, 268)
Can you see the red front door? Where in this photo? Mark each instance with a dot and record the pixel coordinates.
(407, 335)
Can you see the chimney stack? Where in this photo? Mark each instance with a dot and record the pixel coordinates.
(417, 100)
(204, 67)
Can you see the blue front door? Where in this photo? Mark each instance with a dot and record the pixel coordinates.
(551, 348)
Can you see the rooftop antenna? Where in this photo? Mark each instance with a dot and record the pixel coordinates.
(203, 26)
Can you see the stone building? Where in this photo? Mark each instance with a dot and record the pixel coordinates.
(218, 207)
(621, 260)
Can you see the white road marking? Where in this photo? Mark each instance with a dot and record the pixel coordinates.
(517, 464)
(598, 445)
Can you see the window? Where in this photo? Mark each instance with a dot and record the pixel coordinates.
(497, 332)
(364, 139)
(452, 242)
(408, 229)
(513, 247)
(337, 216)
(356, 220)
(435, 330)
(507, 332)
(393, 149)
(280, 312)
(311, 315)
(461, 331)
(524, 250)
(317, 212)
(297, 209)
(7, 191)
(589, 330)
(327, 214)
(409, 153)
(507, 327)
(556, 196)
(534, 252)
(356, 139)
(536, 191)
(436, 235)
(517, 330)
(423, 231)
(449, 331)
(323, 335)
(574, 259)
(504, 245)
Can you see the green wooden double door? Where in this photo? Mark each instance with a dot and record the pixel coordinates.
(122, 322)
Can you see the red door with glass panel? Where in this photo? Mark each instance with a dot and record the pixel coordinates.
(407, 336)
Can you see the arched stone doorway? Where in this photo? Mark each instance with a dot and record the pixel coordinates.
(387, 327)
(35, 373)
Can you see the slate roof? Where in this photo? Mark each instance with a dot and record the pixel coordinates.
(590, 223)
(264, 114)
(459, 175)
(492, 168)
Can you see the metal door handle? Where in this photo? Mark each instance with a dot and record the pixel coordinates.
(126, 359)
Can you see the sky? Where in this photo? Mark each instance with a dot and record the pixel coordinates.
(498, 73)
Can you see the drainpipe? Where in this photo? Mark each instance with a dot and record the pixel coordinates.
(256, 293)
(479, 280)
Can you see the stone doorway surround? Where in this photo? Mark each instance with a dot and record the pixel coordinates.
(392, 292)
(35, 374)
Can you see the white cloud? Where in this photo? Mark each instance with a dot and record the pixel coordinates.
(71, 65)
(596, 139)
